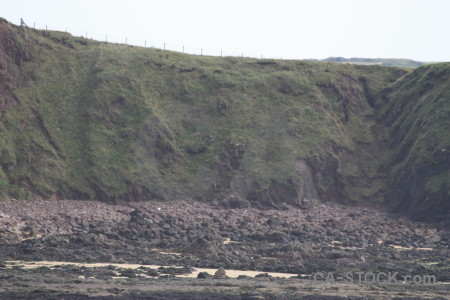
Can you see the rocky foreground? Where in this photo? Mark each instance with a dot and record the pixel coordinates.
(323, 238)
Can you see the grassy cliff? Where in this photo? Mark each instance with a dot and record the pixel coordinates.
(82, 119)
(415, 113)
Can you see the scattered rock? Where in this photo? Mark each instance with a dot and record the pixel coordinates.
(221, 273)
(152, 272)
(263, 275)
(203, 275)
(323, 237)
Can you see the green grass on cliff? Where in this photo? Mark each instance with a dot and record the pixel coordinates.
(92, 120)
(418, 122)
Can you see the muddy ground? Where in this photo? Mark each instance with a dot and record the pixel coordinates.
(326, 238)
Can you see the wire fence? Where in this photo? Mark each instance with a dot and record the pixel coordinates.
(114, 39)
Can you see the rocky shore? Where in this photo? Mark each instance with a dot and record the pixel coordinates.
(322, 238)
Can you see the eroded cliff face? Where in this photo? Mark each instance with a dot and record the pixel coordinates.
(415, 112)
(81, 119)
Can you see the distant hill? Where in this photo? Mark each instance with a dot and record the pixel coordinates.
(82, 119)
(391, 62)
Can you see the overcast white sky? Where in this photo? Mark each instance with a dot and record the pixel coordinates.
(416, 29)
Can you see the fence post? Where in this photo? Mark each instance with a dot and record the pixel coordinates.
(183, 49)
(201, 51)
(220, 53)
(145, 43)
(164, 46)
(106, 38)
(86, 34)
(34, 25)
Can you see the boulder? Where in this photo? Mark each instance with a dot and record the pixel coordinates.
(221, 272)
